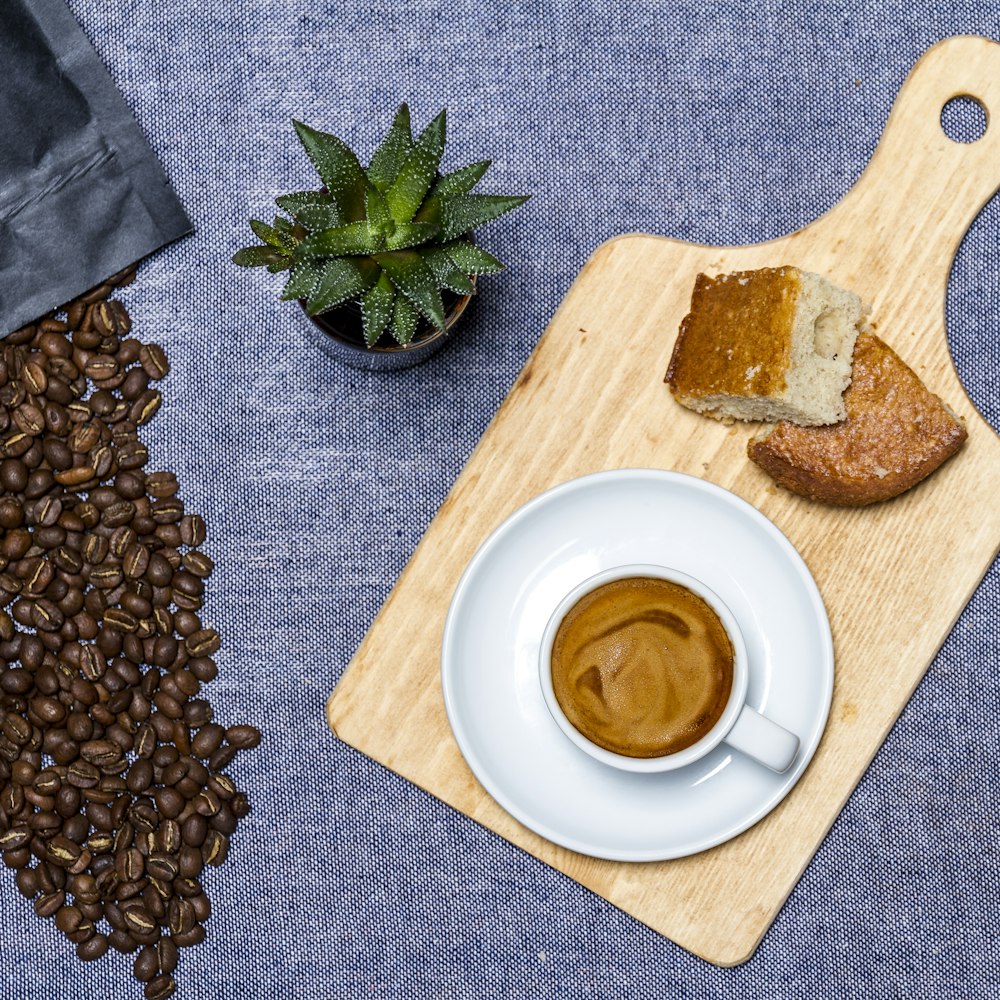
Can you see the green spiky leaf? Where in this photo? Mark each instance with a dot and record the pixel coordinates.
(257, 256)
(302, 280)
(415, 280)
(471, 259)
(298, 200)
(393, 151)
(338, 168)
(377, 308)
(404, 320)
(430, 212)
(460, 181)
(464, 212)
(377, 211)
(447, 274)
(283, 225)
(280, 265)
(407, 191)
(314, 217)
(340, 279)
(411, 234)
(268, 234)
(352, 239)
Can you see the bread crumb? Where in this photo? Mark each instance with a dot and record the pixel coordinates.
(880, 471)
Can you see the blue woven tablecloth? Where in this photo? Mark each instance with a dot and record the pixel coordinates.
(696, 120)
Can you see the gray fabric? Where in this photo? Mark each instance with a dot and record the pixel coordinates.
(695, 120)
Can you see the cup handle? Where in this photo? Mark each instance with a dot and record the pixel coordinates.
(764, 740)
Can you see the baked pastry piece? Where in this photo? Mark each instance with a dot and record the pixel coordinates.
(896, 433)
(773, 344)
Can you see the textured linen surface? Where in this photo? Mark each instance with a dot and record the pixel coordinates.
(694, 120)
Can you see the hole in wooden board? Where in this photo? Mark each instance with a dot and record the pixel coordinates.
(964, 119)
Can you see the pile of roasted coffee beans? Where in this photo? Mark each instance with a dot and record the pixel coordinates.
(114, 795)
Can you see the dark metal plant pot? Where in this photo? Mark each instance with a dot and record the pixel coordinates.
(340, 333)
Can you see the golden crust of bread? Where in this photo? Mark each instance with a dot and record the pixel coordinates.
(708, 361)
(897, 432)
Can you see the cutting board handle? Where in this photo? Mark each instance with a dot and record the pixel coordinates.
(920, 181)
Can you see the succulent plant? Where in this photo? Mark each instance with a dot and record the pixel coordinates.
(391, 236)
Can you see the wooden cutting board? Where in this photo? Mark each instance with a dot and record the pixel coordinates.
(894, 577)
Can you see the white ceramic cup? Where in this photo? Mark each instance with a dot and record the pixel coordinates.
(739, 726)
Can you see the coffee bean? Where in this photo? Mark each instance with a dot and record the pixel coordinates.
(118, 513)
(123, 942)
(76, 476)
(204, 642)
(30, 419)
(27, 882)
(17, 859)
(160, 988)
(120, 619)
(129, 865)
(136, 560)
(223, 757)
(50, 903)
(48, 782)
(154, 361)
(146, 965)
(101, 753)
(207, 803)
(15, 838)
(143, 813)
(93, 948)
(82, 774)
(13, 475)
(105, 576)
(63, 852)
(180, 916)
(198, 563)
(192, 528)
(163, 866)
(159, 572)
(207, 740)
(166, 955)
(39, 575)
(100, 366)
(93, 664)
(34, 377)
(139, 921)
(197, 712)
(169, 510)
(161, 485)
(16, 729)
(132, 454)
(11, 513)
(122, 539)
(23, 772)
(16, 681)
(170, 802)
(215, 849)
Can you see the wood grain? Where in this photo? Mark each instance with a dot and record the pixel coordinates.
(894, 577)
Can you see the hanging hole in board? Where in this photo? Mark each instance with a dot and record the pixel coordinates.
(964, 119)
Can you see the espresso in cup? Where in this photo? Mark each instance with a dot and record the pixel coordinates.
(642, 666)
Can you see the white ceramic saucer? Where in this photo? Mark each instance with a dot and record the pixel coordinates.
(514, 582)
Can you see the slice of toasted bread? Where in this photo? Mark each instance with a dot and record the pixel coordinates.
(897, 432)
(773, 344)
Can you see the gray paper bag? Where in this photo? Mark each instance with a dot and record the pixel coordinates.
(81, 193)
